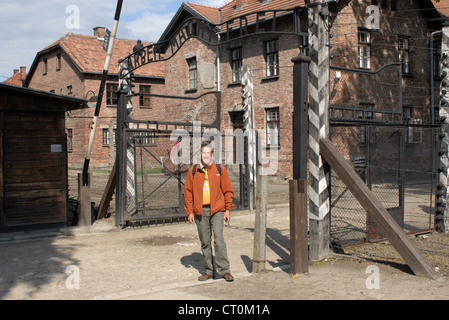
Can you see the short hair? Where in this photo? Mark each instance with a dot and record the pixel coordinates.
(207, 144)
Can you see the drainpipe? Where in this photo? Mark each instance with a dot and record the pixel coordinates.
(218, 65)
(432, 103)
(218, 55)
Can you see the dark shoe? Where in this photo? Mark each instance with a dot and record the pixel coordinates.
(204, 277)
(228, 277)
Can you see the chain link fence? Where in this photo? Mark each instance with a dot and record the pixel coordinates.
(397, 164)
(160, 183)
(389, 147)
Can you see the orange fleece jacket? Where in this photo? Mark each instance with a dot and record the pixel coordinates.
(220, 197)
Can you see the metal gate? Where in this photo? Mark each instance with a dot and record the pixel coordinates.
(393, 154)
(150, 184)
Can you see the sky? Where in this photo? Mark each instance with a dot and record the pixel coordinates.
(28, 26)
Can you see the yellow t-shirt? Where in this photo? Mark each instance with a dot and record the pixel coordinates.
(206, 189)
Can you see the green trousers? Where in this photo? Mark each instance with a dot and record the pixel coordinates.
(207, 226)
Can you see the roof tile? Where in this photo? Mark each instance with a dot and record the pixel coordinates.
(88, 54)
(237, 8)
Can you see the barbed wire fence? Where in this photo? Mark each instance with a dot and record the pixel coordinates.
(390, 147)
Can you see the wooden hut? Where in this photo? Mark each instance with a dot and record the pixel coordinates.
(33, 156)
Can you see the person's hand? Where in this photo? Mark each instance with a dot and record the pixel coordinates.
(191, 218)
(227, 216)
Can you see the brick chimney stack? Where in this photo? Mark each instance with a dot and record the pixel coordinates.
(99, 32)
(18, 77)
(23, 73)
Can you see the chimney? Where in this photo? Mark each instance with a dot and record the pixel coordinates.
(99, 32)
(16, 71)
(239, 3)
(23, 72)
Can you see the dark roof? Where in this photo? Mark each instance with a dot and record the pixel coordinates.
(71, 102)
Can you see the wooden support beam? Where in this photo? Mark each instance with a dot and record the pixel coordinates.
(85, 211)
(393, 232)
(299, 251)
(107, 194)
(260, 224)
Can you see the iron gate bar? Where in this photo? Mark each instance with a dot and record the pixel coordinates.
(159, 161)
(215, 124)
(164, 129)
(172, 174)
(398, 66)
(209, 33)
(355, 118)
(382, 124)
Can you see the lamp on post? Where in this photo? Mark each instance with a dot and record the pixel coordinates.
(92, 100)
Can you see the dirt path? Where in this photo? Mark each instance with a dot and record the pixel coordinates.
(163, 262)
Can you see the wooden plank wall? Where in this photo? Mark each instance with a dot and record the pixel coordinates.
(2, 222)
(34, 177)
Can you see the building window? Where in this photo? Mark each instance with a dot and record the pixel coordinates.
(362, 135)
(236, 62)
(407, 115)
(384, 4)
(193, 29)
(272, 56)
(111, 94)
(105, 137)
(404, 53)
(45, 66)
(367, 113)
(364, 53)
(415, 133)
(193, 73)
(58, 62)
(69, 90)
(437, 58)
(69, 139)
(147, 138)
(273, 125)
(394, 5)
(144, 100)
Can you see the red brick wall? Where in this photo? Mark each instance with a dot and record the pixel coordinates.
(406, 21)
(80, 121)
(277, 92)
(380, 90)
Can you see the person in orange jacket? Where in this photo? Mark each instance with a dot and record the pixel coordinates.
(208, 198)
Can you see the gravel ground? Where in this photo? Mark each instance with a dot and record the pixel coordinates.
(433, 245)
(163, 262)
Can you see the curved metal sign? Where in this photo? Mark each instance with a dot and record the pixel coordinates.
(258, 22)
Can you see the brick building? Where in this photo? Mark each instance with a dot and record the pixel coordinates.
(194, 67)
(73, 66)
(403, 35)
